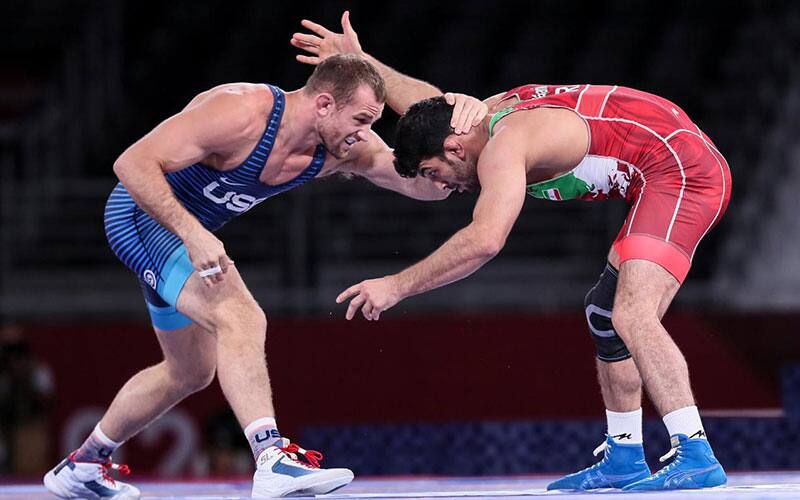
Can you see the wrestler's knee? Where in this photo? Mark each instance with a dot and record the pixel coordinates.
(192, 375)
(630, 318)
(598, 305)
(245, 321)
(198, 378)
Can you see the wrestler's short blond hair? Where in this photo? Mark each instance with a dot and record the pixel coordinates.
(341, 75)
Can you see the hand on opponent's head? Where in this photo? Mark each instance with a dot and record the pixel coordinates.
(468, 112)
(324, 43)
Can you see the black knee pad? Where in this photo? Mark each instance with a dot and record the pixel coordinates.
(598, 304)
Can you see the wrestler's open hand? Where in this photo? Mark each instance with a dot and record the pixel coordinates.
(372, 296)
(208, 256)
(325, 43)
(468, 111)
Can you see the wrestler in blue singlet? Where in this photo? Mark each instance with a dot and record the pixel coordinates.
(159, 257)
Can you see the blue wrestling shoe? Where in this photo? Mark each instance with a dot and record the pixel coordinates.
(622, 464)
(694, 467)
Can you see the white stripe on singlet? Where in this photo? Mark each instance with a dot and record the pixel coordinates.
(698, 135)
(711, 149)
(722, 195)
(603, 107)
(580, 96)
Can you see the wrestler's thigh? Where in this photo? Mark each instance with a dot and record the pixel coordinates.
(228, 300)
(644, 288)
(666, 301)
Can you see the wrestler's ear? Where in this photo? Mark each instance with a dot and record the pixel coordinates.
(452, 144)
(325, 104)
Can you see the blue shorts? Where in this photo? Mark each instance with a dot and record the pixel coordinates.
(157, 256)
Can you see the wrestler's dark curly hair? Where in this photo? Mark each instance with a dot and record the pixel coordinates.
(421, 133)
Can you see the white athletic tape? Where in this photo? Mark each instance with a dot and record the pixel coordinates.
(205, 273)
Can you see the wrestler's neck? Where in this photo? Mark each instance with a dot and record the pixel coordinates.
(299, 130)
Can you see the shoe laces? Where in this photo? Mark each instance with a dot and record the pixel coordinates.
(603, 447)
(669, 454)
(677, 453)
(312, 457)
(106, 467)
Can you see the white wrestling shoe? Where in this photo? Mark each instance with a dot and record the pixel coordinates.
(72, 479)
(280, 473)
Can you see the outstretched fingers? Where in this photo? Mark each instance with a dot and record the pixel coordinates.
(307, 59)
(303, 40)
(316, 28)
(347, 28)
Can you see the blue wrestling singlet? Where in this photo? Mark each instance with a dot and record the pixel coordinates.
(156, 255)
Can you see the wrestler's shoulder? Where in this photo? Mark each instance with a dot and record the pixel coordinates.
(521, 122)
(253, 100)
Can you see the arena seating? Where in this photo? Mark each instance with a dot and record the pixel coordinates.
(99, 95)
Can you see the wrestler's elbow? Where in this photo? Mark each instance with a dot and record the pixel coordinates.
(134, 163)
(122, 166)
(487, 243)
(491, 246)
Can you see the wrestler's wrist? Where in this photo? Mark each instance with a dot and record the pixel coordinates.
(189, 230)
(401, 285)
(369, 58)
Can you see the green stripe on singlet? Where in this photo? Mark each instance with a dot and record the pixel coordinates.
(567, 186)
(497, 116)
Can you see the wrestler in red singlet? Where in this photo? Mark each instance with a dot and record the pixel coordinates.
(645, 149)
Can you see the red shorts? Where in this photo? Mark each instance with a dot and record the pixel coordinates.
(677, 199)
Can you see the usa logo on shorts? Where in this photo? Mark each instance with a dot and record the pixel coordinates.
(150, 278)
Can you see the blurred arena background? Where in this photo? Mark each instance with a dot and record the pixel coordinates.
(501, 361)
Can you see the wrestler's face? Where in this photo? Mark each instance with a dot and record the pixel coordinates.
(345, 126)
(451, 173)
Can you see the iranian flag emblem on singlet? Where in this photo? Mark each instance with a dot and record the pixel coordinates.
(595, 178)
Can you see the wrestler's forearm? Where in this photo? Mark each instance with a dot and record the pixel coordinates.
(463, 254)
(148, 187)
(402, 90)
